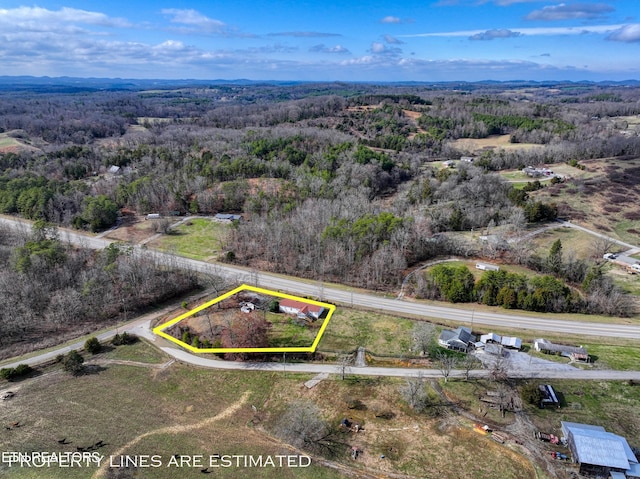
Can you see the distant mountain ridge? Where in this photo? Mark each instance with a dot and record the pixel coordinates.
(77, 84)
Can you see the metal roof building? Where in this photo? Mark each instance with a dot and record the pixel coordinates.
(511, 342)
(593, 445)
(459, 339)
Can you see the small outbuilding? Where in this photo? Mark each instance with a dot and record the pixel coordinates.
(549, 396)
(491, 338)
(511, 342)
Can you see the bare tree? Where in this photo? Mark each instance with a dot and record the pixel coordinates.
(303, 426)
(446, 363)
(468, 363)
(504, 397)
(343, 364)
(422, 335)
(413, 391)
(500, 368)
(600, 246)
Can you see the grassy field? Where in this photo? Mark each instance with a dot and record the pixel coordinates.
(7, 141)
(476, 145)
(133, 231)
(135, 410)
(140, 351)
(285, 332)
(10, 144)
(120, 404)
(604, 199)
(199, 238)
(380, 334)
(573, 241)
(580, 244)
(611, 404)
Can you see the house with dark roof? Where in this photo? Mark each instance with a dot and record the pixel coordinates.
(599, 451)
(459, 339)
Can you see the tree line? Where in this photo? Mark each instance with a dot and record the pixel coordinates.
(51, 289)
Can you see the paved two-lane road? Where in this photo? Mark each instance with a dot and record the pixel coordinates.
(364, 300)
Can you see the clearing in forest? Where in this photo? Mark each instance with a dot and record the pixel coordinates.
(477, 145)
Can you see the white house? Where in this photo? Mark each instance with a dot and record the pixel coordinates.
(300, 309)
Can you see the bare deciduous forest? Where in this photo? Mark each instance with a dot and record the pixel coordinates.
(335, 181)
(51, 290)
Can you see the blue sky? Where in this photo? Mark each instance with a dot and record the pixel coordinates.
(374, 40)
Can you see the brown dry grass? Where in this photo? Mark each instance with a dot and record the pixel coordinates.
(133, 230)
(412, 444)
(606, 201)
(477, 145)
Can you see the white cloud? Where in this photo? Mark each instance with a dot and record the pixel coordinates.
(37, 18)
(527, 31)
(377, 47)
(573, 11)
(390, 19)
(193, 18)
(506, 3)
(325, 49)
(304, 34)
(628, 33)
(501, 3)
(491, 34)
(392, 40)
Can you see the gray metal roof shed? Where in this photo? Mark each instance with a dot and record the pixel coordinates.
(594, 445)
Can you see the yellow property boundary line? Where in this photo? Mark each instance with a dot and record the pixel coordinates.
(159, 330)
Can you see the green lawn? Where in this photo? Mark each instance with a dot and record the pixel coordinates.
(380, 334)
(198, 238)
(285, 332)
(628, 231)
(573, 241)
(140, 351)
(611, 404)
(7, 141)
(614, 356)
